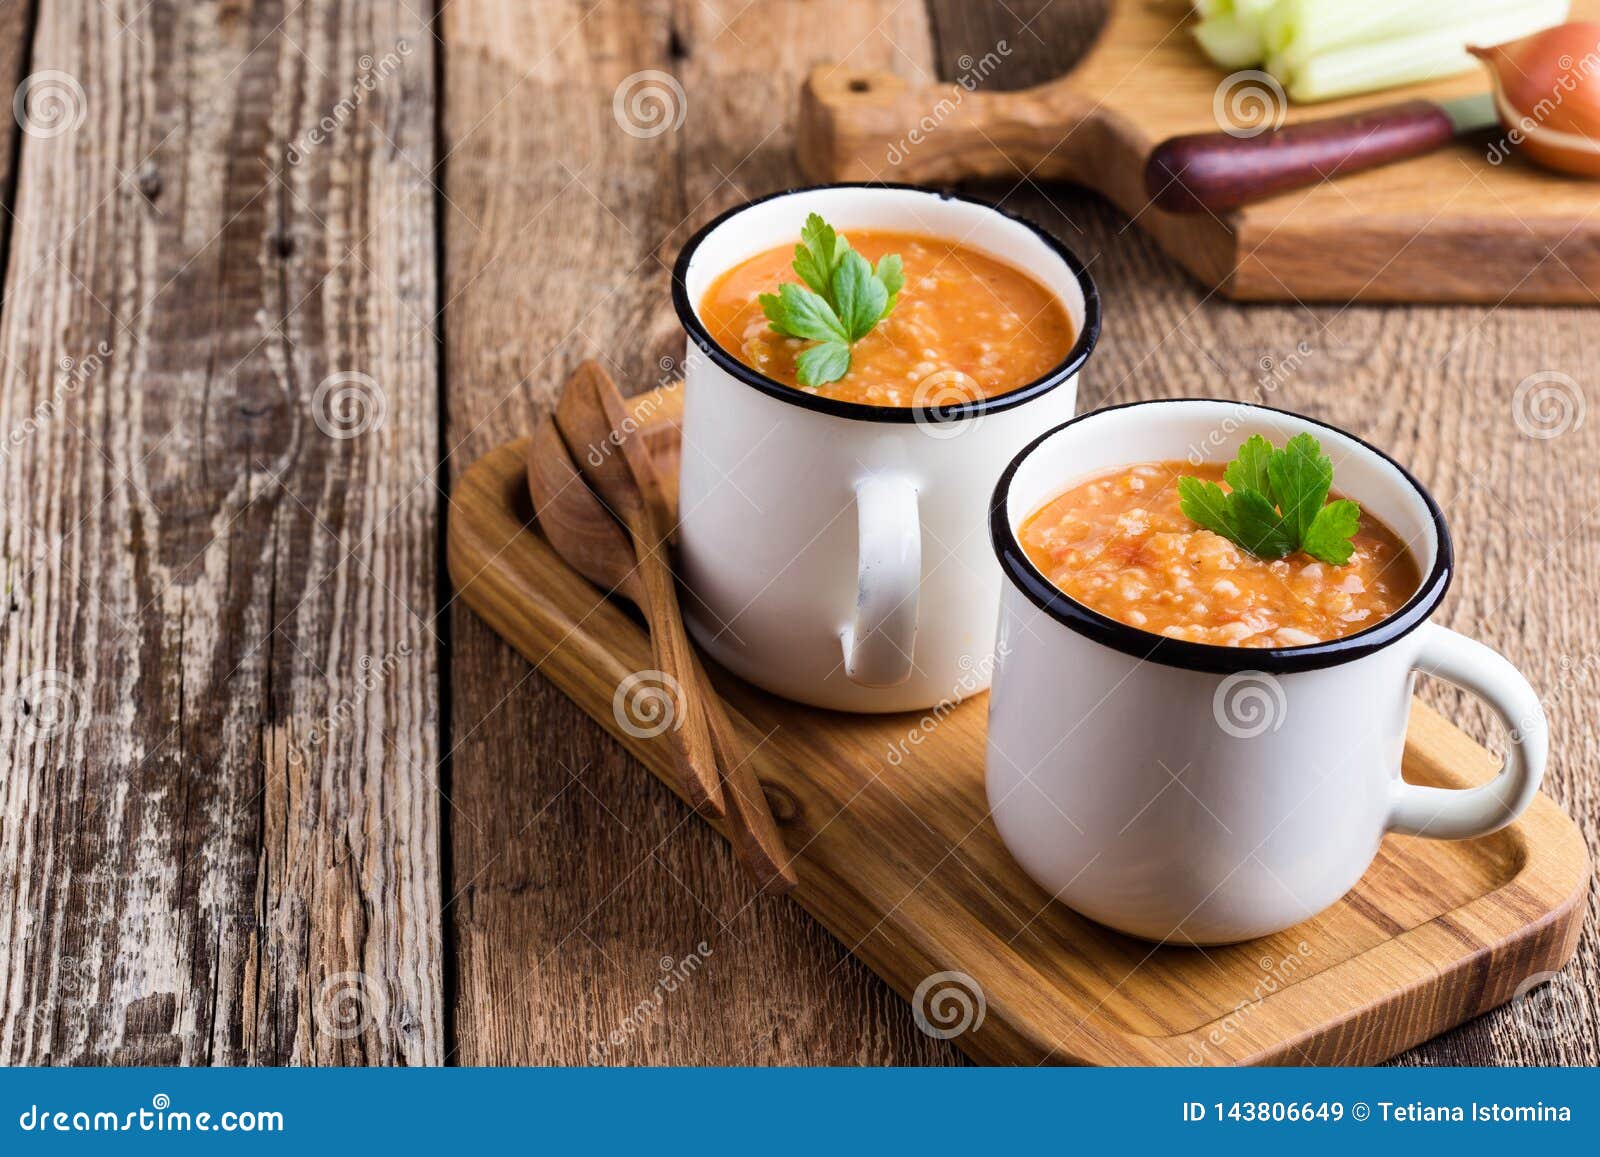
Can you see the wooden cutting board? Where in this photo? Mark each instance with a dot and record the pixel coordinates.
(1450, 227)
(898, 858)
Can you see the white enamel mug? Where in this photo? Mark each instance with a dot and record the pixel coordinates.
(1201, 794)
(836, 553)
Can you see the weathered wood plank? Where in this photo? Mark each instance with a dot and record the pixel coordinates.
(575, 874)
(1436, 387)
(16, 28)
(218, 812)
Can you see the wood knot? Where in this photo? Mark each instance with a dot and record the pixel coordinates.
(677, 49)
(149, 183)
(783, 802)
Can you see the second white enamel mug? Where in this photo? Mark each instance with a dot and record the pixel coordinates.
(835, 553)
(1204, 794)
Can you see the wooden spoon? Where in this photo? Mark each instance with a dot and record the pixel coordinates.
(601, 445)
(594, 545)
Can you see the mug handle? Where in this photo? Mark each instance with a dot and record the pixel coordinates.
(1459, 814)
(879, 644)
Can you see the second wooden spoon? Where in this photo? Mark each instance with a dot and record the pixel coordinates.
(594, 545)
(606, 454)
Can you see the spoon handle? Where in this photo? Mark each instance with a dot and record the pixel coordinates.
(751, 828)
(584, 416)
(675, 657)
(596, 546)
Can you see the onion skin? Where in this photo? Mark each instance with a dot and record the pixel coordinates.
(1547, 92)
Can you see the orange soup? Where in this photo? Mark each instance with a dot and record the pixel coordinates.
(1121, 545)
(965, 325)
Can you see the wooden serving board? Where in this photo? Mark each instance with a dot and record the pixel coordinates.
(1449, 227)
(899, 860)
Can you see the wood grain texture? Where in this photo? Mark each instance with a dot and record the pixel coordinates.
(218, 818)
(1390, 234)
(16, 31)
(1436, 387)
(899, 860)
(574, 875)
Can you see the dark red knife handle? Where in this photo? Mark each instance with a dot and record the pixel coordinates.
(1221, 171)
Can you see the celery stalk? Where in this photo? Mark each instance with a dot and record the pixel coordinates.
(1228, 42)
(1254, 11)
(1435, 50)
(1230, 34)
(1297, 30)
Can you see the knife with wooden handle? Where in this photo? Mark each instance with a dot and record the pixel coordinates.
(1222, 170)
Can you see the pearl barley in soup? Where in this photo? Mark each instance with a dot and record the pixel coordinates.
(966, 325)
(1121, 545)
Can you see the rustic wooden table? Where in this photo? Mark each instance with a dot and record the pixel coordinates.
(275, 273)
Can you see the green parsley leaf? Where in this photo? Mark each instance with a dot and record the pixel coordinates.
(1259, 527)
(1274, 504)
(794, 312)
(1328, 537)
(861, 297)
(892, 274)
(1248, 471)
(841, 299)
(825, 362)
(818, 254)
(1301, 475)
(1207, 504)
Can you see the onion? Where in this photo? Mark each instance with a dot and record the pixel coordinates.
(1547, 93)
